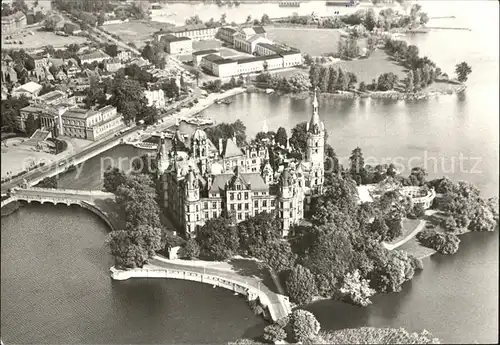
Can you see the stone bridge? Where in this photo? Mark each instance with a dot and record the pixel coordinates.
(101, 203)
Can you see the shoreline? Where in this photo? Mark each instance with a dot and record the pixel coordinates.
(276, 305)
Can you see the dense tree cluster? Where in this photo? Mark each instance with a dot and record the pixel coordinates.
(227, 131)
(142, 235)
(462, 202)
(298, 82)
(10, 109)
(329, 79)
(444, 243)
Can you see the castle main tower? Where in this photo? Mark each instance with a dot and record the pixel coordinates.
(315, 153)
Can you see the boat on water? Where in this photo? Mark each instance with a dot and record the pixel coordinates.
(289, 4)
(145, 145)
(199, 121)
(343, 3)
(420, 30)
(268, 91)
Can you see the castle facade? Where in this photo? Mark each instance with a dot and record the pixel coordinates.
(200, 181)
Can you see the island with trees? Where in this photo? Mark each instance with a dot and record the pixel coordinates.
(371, 60)
(338, 252)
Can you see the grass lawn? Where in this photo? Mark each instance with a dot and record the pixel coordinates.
(371, 68)
(41, 39)
(415, 248)
(409, 225)
(312, 41)
(135, 31)
(206, 44)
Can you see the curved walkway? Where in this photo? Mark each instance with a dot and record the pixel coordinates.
(252, 286)
(407, 238)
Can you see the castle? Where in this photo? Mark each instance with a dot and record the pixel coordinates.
(200, 181)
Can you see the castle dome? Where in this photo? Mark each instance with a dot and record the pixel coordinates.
(199, 134)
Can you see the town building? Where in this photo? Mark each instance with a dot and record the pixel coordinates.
(219, 66)
(196, 32)
(200, 181)
(29, 90)
(198, 55)
(124, 55)
(95, 56)
(71, 28)
(177, 45)
(72, 121)
(13, 22)
(249, 45)
(155, 98)
(227, 34)
(113, 64)
(52, 98)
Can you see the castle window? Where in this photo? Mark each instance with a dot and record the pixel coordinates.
(253, 161)
(232, 207)
(205, 205)
(256, 193)
(246, 206)
(197, 208)
(264, 203)
(197, 217)
(239, 196)
(316, 144)
(246, 195)
(281, 214)
(189, 217)
(214, 215)
(214, 205)
(206, 215)
(239, 207)
(256, 204)
(231, 196)
(273, 202)
(239, 216)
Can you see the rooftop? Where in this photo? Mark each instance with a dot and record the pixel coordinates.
(213, 57)
(259, 30)
(79, 113)
(206, 51)
(29, 87)
(257, 58)
(172, 38)
(51, 96)
(98, 54)
(231, 149)
(183, 28)
(272, 47)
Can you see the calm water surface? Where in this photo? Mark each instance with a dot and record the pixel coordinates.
(55, 282)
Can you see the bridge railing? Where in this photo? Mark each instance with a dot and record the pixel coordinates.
(62, 191)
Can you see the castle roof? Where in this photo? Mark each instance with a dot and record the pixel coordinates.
(254, 180)
(231, 150)
(199, 134)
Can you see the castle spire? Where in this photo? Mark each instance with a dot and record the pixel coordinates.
(315, 123)
(264, 127)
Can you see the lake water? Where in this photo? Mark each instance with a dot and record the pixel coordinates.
(55, 282)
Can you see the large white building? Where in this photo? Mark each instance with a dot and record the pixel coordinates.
(155, 98)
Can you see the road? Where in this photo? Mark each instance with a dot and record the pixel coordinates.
(41, 171)
(71, 18)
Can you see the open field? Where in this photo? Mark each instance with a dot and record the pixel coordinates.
(136, 31)
(312, 41)
(372, 67)
(41, 39)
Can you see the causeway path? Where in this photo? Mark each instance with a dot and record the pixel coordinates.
(276, 302)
